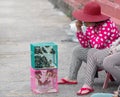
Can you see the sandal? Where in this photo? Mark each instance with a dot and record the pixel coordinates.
(64, 81)
(89, 90)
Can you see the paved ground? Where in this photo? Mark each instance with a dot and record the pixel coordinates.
(26, 21)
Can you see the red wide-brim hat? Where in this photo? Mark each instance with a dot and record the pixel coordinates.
(90, 13)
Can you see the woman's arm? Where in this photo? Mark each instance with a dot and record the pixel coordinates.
(83, 40)
(104, 36)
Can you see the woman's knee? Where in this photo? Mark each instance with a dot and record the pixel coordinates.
(92, 52)
(108, 63)
(77, 51)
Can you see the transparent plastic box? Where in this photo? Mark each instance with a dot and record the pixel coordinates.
(44, 55)
(44, 80)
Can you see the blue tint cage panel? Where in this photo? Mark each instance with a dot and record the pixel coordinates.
(44, 55)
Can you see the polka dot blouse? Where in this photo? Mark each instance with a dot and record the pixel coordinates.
(100, 36)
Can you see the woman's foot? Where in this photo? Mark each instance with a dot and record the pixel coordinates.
(85, 90)
(67, 81)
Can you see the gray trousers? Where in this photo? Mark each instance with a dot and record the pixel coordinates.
(79, 55)
(102, 59)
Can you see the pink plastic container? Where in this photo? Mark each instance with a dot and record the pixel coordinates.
(44, 80)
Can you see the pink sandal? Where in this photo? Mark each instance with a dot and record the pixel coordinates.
(83, 89)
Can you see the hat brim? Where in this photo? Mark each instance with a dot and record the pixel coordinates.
(80, 15)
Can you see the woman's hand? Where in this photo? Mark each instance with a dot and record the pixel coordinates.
(78, 25)
(115, 94)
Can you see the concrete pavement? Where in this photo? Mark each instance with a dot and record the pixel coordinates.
(26, 21)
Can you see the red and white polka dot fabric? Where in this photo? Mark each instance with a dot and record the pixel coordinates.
(100, 36)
